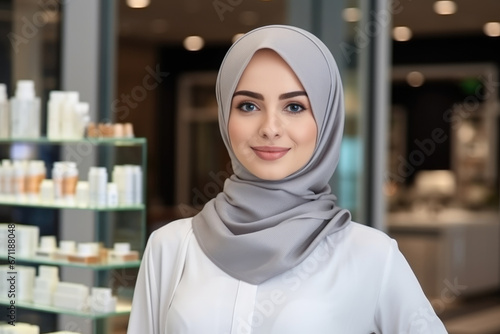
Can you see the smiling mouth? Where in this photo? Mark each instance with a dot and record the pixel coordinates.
(270, 152)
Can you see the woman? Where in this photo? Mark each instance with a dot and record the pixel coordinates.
(272, 253)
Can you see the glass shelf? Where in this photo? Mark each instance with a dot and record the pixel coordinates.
(74, 207)
(122, 308)
(92, 141)
(96, 266)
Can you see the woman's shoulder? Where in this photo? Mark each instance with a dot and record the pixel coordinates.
(365, 241)
(369, 234)
(171, 234)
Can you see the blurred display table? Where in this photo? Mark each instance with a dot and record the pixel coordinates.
(453, 252)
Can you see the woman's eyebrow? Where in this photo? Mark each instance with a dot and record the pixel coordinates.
(259, 96)
(250, 94)
(289, 95)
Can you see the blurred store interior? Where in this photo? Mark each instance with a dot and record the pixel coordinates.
(420, 157)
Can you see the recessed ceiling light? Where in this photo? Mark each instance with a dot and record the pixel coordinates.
(492, 29)
(401, 33)
(351, 14)
(193, 43)
(138, 3)
(445, 7)
(415, 79)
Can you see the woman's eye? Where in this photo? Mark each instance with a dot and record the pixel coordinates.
(247, 106)
(294, 108)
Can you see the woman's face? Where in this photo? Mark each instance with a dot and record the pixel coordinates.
(271, 125)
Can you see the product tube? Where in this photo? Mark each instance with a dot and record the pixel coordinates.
(4, 113)
(25, 113)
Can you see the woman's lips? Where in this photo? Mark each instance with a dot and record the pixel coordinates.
(270, 152)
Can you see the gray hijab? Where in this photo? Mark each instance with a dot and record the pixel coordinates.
(255, 229)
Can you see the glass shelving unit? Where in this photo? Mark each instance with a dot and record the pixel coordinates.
(111, 224)
(86, 140)
(122, 308)
(73, 207)
(61, 263)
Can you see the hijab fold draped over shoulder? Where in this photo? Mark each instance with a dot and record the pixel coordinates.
(257, 229)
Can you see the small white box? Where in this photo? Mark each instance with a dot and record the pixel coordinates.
(42, 297)
(103, 293)
(76, 289)
(102, 305)
(49, 272)
(45, 283)
(69, 301)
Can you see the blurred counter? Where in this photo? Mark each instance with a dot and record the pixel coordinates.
(453, 252)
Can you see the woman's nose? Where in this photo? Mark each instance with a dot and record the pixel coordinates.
(271, 126)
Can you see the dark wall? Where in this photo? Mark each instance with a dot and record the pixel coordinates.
(176, 61)
(426, 105)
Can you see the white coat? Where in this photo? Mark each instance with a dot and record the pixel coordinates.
(355, 282)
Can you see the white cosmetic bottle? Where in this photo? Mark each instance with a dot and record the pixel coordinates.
(4, 113)
(98, 182)
(80, 120)
(25, 113)
(54, 110)
(68, 113)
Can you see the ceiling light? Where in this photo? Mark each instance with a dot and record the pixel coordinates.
(193, 43)
(138, 3)
(415, 79)
(237, 37)
(401, 33)
(466, 133)
(445, 7)
(351, 14)
(492, 29)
